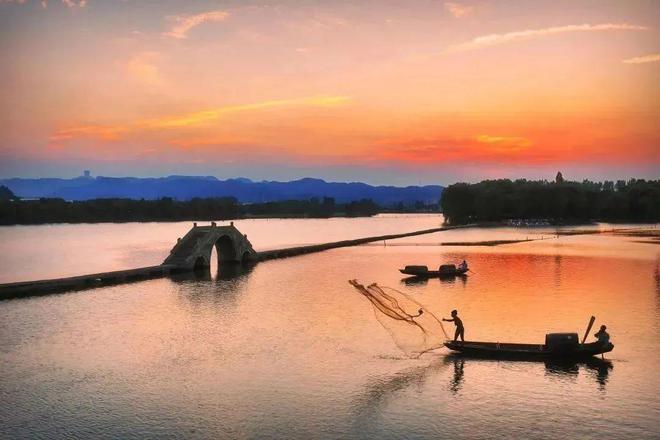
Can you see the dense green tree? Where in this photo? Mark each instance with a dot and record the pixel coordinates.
(50, 210)
(560, 201)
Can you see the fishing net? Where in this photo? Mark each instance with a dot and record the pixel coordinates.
(414, 329)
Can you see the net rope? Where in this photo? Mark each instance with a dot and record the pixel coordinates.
(414, 329)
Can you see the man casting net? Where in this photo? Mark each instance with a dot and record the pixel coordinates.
(414, 329)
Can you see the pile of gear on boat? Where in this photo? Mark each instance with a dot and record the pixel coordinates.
(557, 345)
(446, 270)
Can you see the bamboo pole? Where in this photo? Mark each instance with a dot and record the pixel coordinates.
(591, 323)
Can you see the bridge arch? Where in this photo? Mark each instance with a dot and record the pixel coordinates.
(226, 250)
(195, 250)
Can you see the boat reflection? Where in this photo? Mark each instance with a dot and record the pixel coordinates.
(597, 368)
(423, 281)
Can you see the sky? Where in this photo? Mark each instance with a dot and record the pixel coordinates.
(384, 92)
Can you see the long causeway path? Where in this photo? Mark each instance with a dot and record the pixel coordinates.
(191, 252)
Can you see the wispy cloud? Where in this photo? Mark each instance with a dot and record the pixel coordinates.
(458, 10)
(530, 34)
(188, 120)
(44, 3)
(74, 3)
(184, 23)
(480, 148)
(142, 66)
(504, 143)
(643, 59)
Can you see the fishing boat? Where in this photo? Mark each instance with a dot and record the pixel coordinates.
(558, 346)
(446, 270)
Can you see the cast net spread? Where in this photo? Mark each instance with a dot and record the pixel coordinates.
(414, 329)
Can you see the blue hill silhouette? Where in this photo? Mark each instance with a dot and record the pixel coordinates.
(245, 190)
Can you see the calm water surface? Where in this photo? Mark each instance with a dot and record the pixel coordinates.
(290, 350)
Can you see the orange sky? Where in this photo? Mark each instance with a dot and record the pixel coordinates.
(379, 91)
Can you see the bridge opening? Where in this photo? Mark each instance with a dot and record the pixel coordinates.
(226, 250)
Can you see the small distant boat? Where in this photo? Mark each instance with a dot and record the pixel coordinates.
(558, 346)
(446, 270)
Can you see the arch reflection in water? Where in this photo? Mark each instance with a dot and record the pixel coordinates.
(224, 284)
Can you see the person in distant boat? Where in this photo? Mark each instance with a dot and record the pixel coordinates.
(460, 331)
(463, 266)
(603, 336)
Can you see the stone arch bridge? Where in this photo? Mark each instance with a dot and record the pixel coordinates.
(194, 250)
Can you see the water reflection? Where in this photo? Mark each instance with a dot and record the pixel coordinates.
(378, 391)
(222, 285)
(457, 378)
(423, 281)
(597, 368)
(557, 273)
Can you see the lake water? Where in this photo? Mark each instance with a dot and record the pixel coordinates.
(289, 349)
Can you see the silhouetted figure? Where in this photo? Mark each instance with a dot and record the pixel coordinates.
(460, 331)
(603, 336)
(463, 265)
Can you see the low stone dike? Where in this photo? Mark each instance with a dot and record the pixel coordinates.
(200, 240)
(56, 285)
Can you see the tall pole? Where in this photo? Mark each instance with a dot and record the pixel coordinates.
(591, 323)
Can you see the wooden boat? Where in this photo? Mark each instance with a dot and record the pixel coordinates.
(558, 346)
(446, 270)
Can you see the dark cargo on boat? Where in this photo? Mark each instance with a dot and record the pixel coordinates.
(446, 270)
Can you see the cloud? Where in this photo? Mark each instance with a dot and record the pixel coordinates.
(187, 120)
(44, 3)
(480, 148)
(184, 23)
(530, 34)
(643, 59)
(458, 10)
(73, 3)
(143, 68)
(504, 143)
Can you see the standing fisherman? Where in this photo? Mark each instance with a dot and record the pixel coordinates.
(460, 331)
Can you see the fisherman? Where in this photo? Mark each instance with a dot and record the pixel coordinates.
(463, 266)
(460, 331)
(603, 336)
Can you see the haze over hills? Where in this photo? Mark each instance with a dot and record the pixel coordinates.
(245, 190)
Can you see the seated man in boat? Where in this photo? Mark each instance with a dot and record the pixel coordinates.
(603, 336)
(463, 266)
(460, 331)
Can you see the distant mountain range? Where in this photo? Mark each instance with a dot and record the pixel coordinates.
(245, 190)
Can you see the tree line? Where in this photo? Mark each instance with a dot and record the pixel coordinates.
(635, 200)
(51, 210)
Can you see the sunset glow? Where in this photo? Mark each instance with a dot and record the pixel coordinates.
(384, 92)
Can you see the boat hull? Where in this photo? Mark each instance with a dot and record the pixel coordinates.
(434, 273)
(495, 350)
